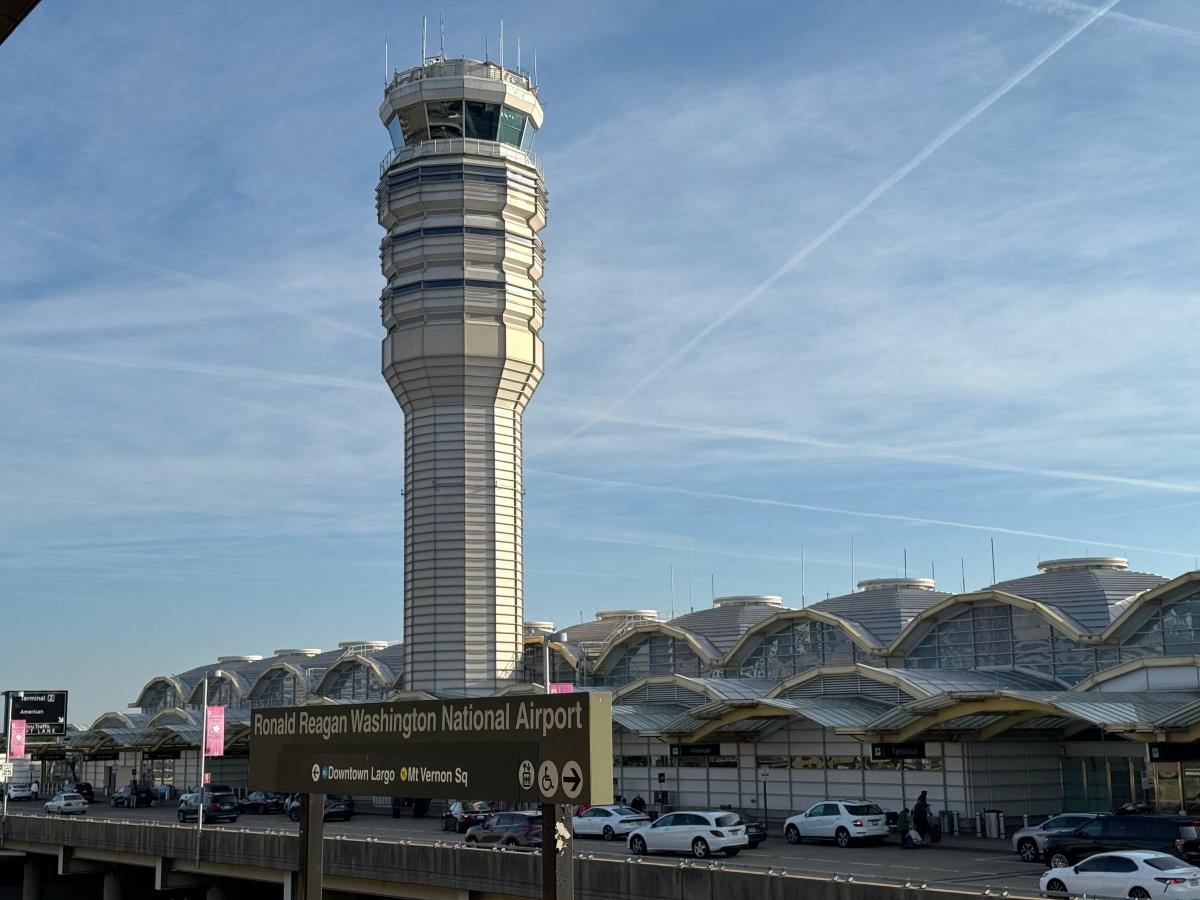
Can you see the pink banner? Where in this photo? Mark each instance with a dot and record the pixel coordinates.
(562, 687)
(214, 732)
(16, 739)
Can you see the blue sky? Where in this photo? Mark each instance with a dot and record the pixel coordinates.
(748, 352)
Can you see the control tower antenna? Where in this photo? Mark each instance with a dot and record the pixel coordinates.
(424, 30)
(441, 36)
(501, 43)
(518, 54)
(385, 60)
(462, 201)
(535, 78)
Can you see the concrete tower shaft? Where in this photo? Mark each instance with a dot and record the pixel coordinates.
(462, 200)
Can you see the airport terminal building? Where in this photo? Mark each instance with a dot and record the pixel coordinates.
(1077, 687)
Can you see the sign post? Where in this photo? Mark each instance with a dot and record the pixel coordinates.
(550, 750)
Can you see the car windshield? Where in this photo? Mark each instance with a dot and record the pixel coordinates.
(1165, 863)
(1188, 832)
(72, 797)
(863, 809)
(338, 798)
(626, 811)
(728, 820)
(534, 820)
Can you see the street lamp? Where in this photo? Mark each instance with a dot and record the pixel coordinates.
(763, 772)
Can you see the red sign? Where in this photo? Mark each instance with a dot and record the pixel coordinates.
(16, 739)
(214, 731)
(562, 687)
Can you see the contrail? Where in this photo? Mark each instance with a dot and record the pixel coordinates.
(845, 219)
(710, 551)
(917, 456)
(1074, 10)
(862, 514)
(193, 368)
(167, 272)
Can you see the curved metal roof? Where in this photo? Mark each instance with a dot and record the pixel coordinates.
(883, 609)
(1092, 597)
(722, 625)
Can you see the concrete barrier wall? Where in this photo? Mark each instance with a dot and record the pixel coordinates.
(492, 872)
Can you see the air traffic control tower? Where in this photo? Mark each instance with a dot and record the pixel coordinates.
(462, 200)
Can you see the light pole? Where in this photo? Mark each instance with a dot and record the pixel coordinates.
(763, 772)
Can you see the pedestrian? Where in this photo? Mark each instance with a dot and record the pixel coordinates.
(921, 818)
(33, 789)
(638, 804)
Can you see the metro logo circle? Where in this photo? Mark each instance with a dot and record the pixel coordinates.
(316, 772)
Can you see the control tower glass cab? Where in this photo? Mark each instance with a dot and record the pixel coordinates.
(462, 201)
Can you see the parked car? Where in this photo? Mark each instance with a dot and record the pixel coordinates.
(142, 797)
(337, 806)
(260, 803)
(459, 815)
(756, 833)
(84, 789)
(1174, 835)
(509, 829)
(1029, 842)
(420, 807)
(218, 807)
(19, 792)
(1139, 874)
(840, 821)
(66, 804)
(607, 821)
(699, 833)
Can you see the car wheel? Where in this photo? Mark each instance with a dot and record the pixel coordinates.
(638, 845)
(733, 851)
(445, 825)
(1027, 849)
(471, 839)
(1054, 886)
(1059, 860)
(609, 834)
(180, 816)
(508, 842)
(842, 837)
(1140, 893)
(294, 815)
(700, 848)
(792, 833)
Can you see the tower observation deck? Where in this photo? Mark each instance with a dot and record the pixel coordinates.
(462, 200)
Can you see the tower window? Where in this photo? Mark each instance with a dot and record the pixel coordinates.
(512, 126)
(413, 124)
(482, 120)
(445, 119)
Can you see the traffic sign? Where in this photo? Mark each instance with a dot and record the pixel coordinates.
(6, 771)
(572, 779)
(506, 748)
(44, 712)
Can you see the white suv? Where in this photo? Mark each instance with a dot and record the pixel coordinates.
(698, 833)
(840, 821)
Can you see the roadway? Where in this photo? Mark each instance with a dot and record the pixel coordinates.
(965, 865)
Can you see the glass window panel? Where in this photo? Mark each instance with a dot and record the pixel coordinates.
(397, 135)
(413, 124)
(808, 762)
(482, 120)
(445, 118)
(512, 126)
(527, 140)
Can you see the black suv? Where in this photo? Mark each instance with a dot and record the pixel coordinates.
(1176, 835)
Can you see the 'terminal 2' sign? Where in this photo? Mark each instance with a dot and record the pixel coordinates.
(535, 749)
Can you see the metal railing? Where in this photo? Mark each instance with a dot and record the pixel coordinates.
(469, 68)
(455, 146)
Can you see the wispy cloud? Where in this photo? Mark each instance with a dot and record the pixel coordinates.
(1074, 10)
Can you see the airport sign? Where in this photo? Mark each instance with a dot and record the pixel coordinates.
(44, 712)
(525, 748)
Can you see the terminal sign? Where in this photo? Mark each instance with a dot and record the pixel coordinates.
(534, 749)
(44, 712)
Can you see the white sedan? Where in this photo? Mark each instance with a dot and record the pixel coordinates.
(1127, 873)
(19, 792)
(66, 804)
(607, 821)
(698, 833)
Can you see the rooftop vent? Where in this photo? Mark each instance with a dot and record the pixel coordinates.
(533, 628)
(1084, 562)
(361, 646)
(237, 659)
(298, 651)
(880, 584)
(748, 600)
(648, 614)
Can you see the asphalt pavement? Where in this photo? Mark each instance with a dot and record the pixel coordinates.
(969, 864)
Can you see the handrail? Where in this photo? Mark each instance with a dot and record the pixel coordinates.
(469, 146)
(448, 68)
